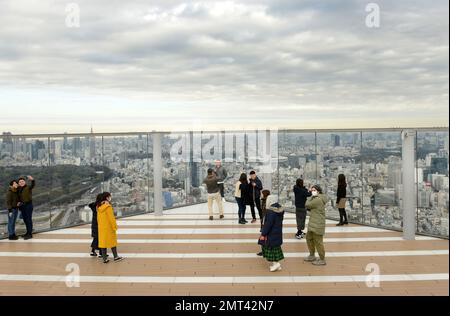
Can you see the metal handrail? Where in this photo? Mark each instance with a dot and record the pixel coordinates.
(349, 130)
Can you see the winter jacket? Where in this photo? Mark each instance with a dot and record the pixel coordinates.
(26, 193)
(211, 184)
(301, 194)
(107, 226)
(247, 193)
(273, 226)
(12, 199)
(221, 173)
(256, 194)
(316, 204)
(94, 224)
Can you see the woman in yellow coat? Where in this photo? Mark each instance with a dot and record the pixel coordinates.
(107, 228)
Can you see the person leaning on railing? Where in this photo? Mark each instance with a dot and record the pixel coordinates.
(26, 200)
(316, 226)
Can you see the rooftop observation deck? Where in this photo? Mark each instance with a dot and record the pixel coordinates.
(183, 253)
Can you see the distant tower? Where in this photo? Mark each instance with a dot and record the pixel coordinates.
(92, 145)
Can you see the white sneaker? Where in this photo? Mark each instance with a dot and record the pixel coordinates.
(223, 200)
(275, 267)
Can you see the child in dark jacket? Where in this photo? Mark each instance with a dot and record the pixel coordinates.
(94, 226)
(272, 235)
(264, 196)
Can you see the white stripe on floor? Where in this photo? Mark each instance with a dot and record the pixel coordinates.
(225, 280)
(208, 231)
(195, 222)
(212, 241)
(225, 255)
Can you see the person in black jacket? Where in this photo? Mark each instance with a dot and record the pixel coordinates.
(246, 196)
(301, 194)
(271, 237)
(13, 204)
(94, 226)
(26, 207)
(341, 199)
(257, 187)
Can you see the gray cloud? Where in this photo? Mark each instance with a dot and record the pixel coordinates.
(256, 59)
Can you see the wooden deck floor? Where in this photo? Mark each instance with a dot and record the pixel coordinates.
(183, 253)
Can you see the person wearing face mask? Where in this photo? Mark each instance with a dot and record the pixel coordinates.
(26, 207)
(12, 203)
(107, 228)
(316, 226)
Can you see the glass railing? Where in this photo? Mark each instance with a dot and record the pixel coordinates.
(70, 170)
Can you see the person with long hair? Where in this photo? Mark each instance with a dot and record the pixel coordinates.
(107, 228)
(240, 196)
(94, 226)
(301, 194)
(341, 200)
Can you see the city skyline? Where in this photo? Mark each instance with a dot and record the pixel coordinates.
(205, 65)
(371, 161)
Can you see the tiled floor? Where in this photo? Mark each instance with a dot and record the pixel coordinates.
(183, 253)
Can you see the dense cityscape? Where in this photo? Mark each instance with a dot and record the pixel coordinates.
(123, 166)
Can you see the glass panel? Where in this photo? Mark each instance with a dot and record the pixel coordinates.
(340, 153)
(382, 179)
(297, 160)
(128, 159)
(77, 177)
(21, 157)
(176, 179)
(432, 183)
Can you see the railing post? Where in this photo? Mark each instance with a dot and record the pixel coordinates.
(409, 193)
(157, 174)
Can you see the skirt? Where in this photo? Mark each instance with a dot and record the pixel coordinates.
(341, 203)
(273, 254)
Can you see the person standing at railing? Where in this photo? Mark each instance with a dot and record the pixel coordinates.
(107, 228)
(26, 208)
(94, 226)
(213, 190)
(257, 187)
(341, 200)
(301, 194)
(12, 204)
(221, 174)
(240, 196)
(316, 226)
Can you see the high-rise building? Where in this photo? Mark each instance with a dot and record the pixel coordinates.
(92, 145)
(77, 147)
(335, 140)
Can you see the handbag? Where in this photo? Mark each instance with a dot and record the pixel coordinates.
(262, 242)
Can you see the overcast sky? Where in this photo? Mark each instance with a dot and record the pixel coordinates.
(167, 64)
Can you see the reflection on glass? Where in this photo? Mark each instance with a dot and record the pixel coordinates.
(21, 157)
(297, 160)
(340, 153)
(77, 176)
(126, 162)
(382, 179)
(432, 183)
